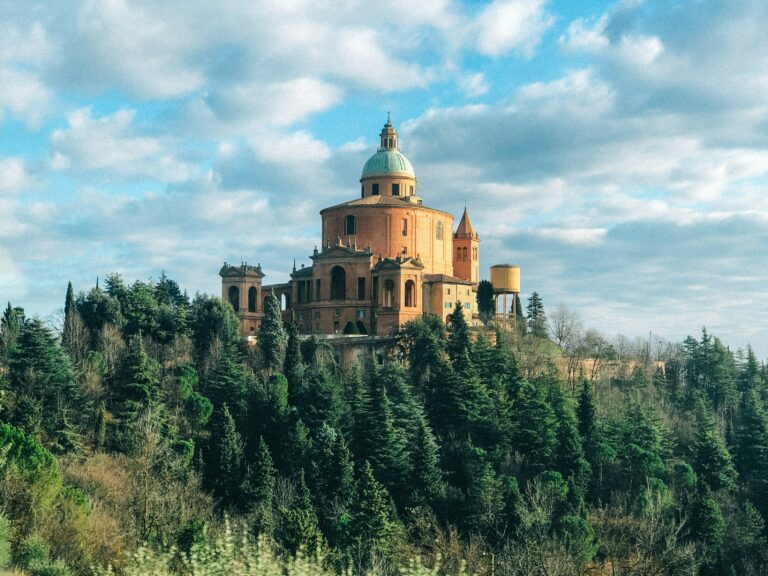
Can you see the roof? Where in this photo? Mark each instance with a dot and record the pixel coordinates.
(381, 200)
(465, 229)
(387, 162)
(445, 279)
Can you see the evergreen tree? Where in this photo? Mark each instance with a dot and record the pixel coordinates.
(486, 303)
(710, 457)
(139, 384)
(48, 399)
(100, 426)
(707, 528)
(534, 435)
(750, 378)
(299, 529)
(569, 454)
(751, 450)
(293, 367)
(372, 522)
(537, 319)
(272, 336)
(258, 487)
(459, 341)
(427, 485)
(226, 459)
(641, 448)
(587, 412)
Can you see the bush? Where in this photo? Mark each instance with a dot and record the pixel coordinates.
(34, 550)
(57, 568)
(5, 541)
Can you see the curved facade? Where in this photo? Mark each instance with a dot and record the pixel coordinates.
(385, 258)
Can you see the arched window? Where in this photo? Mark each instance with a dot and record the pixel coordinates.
(474, 253)
(285, 301)
(338, 283)
(234, 297)
(349, 225)
(252, 299)
(458, 254)
(439, 231)
(410, 294)
(464, 253)
(389, 294)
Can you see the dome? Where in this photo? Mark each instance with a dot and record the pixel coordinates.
(388, 162)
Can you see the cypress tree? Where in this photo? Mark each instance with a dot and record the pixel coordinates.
(258, 487)
(459, 340)
(293, 367)
(486, 303)
(272, 336)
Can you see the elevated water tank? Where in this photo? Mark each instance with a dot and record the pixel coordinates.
(505, 278)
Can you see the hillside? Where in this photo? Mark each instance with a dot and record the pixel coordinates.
(145, 424)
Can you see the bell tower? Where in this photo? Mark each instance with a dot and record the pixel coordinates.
(466, 251)
(241, 287)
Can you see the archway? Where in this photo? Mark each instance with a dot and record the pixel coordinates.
(234, 297)
(389, 294)
(338, 283)
(410, 294)
(252, 295)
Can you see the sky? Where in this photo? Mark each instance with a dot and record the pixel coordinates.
(616, 151)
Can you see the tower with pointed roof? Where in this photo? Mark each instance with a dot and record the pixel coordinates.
(466, 250)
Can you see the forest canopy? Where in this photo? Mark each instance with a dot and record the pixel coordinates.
(145, 423)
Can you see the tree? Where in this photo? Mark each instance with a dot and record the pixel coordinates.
(44, 384)
(225, 466)
(139, 384)
(751, 450)
(537, 319)
(710, 457)
(272, 336)
(486, 303)
(534, 434)
(372, 523)
(259, 486)
(569, 454)
(293, 367)
(707, 527)
(427, 484)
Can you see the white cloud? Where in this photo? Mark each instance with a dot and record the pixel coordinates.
(24, 95)
(13, 175)
(507, 25)
(111, 144)
(473, 85)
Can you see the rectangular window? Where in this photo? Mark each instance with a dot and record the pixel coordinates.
(317, 290)
(309, 290)
(395, 189)
(336, 312)
(361, 288)
(449, 291)
(375, 189)
(411, 191)
(361, 313)
(336, 327)
(362, 190)
(317, 315)
(405, 227)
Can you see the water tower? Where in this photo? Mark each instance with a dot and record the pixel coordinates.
(505, 279)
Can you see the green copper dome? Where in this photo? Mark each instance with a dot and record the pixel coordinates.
(388, 162)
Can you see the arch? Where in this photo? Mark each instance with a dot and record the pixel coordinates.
(285, 301)
(350, 227)
(234, 297)
(464, 254)
(410, 294)
(361, 327)
(458, 254)
(389, 294)
(439, 231)
(252, 296)
(338, 283)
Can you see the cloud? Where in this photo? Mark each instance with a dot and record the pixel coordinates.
(13, 175)
(110, 144)
(507, 25)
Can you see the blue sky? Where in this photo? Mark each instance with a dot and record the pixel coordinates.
(617, 151)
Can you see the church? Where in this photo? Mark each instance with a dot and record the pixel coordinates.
(386, 258)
